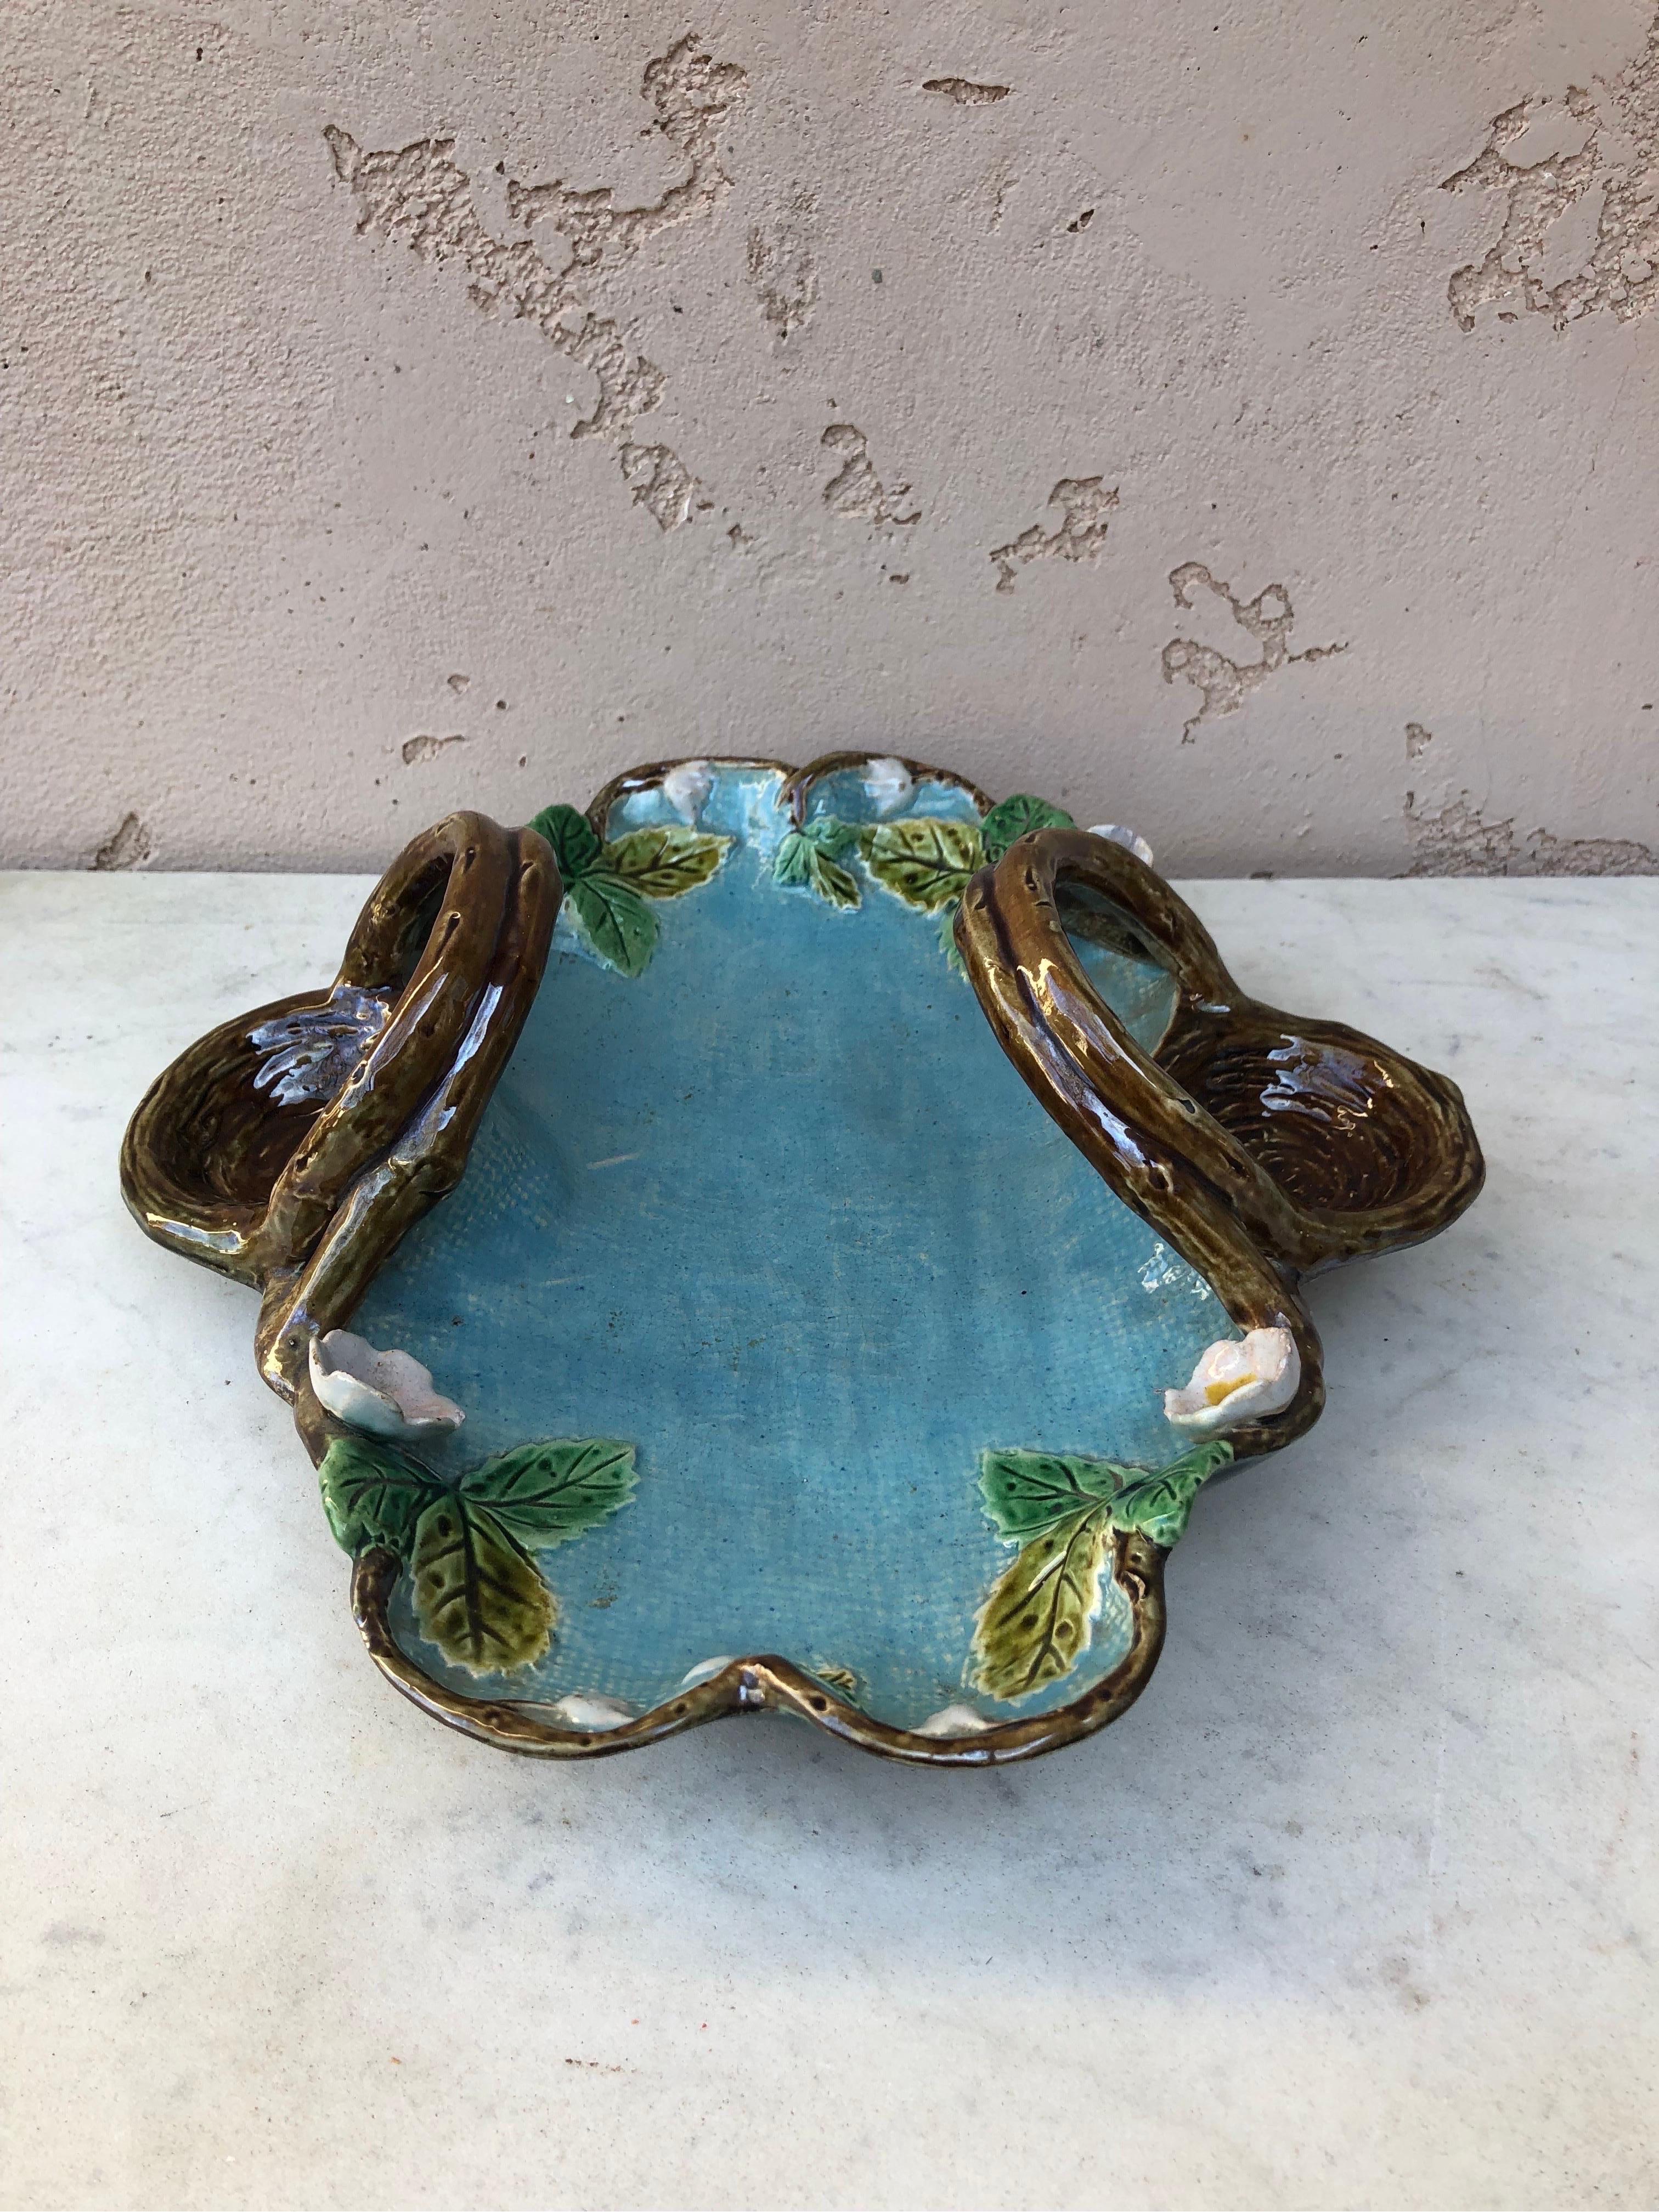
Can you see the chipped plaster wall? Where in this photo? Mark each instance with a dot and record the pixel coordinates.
(1237, 420)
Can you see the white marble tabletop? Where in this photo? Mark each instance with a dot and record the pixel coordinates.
(1358, 1906)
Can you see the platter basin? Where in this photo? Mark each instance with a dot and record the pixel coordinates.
(780, 1210)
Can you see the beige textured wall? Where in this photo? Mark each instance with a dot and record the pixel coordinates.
(1234, 419)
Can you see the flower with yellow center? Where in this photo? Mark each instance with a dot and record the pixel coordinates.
(1238, 1380)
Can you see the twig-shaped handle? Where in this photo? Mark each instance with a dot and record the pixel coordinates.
(241, 1153)
(1152, 1142)
(1260, 1145)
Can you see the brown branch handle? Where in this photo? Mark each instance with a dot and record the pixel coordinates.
(1146, 1137)
(241, 1153)
(1317, 1140)
(1247, 1129)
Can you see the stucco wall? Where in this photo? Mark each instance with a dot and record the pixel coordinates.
(1234, 419)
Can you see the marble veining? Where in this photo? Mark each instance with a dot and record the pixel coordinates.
(1368, 1886)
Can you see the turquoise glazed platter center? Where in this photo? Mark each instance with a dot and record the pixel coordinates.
(781, 1211)
(840, 1288)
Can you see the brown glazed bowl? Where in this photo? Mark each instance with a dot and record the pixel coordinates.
(803, 1367)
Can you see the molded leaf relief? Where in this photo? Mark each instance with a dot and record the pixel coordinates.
(1062, 1511)
(310, 1052)
(471, 1545)
(606, 885)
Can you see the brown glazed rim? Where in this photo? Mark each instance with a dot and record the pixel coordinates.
(797, 782)
(766, 1682)
(396, 1139)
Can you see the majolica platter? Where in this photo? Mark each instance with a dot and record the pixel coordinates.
(790, 1240)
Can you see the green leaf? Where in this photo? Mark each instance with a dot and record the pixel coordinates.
(615, 919)
(947, 938)
(543, 1493)
(1038, 1620)
(665, 862)
(1036, 1623)
(832, 835)
(1159, 1505)
(1028, 1492)
(1003, 824)
(809, 859)
(372, 1494)
(477, 1596)
(792, 868)
(574, 840)
(927, 862)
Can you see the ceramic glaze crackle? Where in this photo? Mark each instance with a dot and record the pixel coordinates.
(870, 1215)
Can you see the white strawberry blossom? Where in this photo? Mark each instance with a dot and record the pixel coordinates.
(1237, 1380)
(686, 787)
(954, 1720)
(385, 1393)
(591, 1712)
(888, 784)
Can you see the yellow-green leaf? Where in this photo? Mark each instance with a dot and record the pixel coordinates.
(833, 882)
(925, 861)
(841, 1680)
(666, 861)
(477, 1596)
(1036, 1623)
